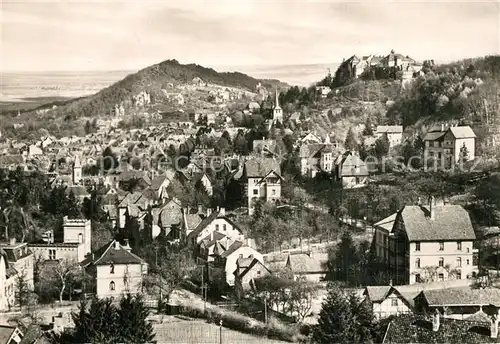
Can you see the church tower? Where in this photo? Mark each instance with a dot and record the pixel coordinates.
(277, 110)
(77, 171)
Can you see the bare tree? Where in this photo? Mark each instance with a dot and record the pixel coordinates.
(64, 270)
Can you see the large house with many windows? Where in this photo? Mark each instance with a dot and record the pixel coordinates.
(427, 243)
(262, 177)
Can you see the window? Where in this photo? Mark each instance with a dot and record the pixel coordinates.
(216, 227)
(111, 285)
(52, 254)
(258, 272)
(441, 277)
(417, 263)
(417, 278)
(255, 191)
(441, 246)
(459, 262)
(417, 246)
(459, 275)
(112, 269)
(223, 227)
(273, 192)
(80, 238)
(468, 262)
(394, 302)
(459, 245)
(441, 262)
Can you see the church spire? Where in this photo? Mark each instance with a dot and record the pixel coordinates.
(277, 99)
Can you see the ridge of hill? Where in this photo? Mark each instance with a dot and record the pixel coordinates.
(465, 92)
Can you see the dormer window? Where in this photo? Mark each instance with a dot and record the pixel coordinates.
(112, 286)
(112, 268)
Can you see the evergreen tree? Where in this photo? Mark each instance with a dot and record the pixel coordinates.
(343, 262)
(335, 319)
(368, 130)
(22, 290)
(134, 327)
(351, 142)
(464, 154)
(96, 323)
(382, 146)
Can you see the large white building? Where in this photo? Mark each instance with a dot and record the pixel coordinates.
(262, 177)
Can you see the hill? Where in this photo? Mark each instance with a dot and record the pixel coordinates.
(465, 92)
(162, 82)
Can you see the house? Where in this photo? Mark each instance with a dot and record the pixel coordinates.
(416, 328)
(168, 219)
(247, 270)
(75, 246)
(216, 221)
(323, 91)
(228, 259)
(316, 157)
(35, 335)
(445, 147)
(116, 270)
(394, 133)
(302, 265)
(456, 303)
(10, 335)
(382, 240)
(386, 301)
(262, 178)
(253, 107)
(351, 170)
(433, 243)
(16, 259)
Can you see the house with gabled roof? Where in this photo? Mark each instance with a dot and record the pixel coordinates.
(116, 270)
(216, 221)
(447, 146)
(302, 265)
(351, 170)
(433, 242)
(262, 178)
(394, 133)
(247, 270)
(228, 259)
(386, 301)
(316, 157)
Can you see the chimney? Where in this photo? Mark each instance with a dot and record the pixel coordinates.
(116, 245)
(494, 326)
(435, 321)
(209, 212)
(390, 282)
(442, 127)
(12, 241)
(432, 207)
(222, 211)
(419, 201)
(127, 246)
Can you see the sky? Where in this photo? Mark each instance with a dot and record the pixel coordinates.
(130, 35)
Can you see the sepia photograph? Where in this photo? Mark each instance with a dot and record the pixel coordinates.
(249, 171)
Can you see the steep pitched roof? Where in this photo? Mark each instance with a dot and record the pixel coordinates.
(230, 250)
(451, 222)
(463, 132)
(352, 165)
(377, 293)
(109, 254)
(434, 135)
(6, 333)
(204, 223)
(260, 167)
(302, 263)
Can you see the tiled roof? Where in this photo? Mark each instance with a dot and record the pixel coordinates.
(461, 296)
(260, 167)
(302, 263)
(377, 293)
(434, 135)
(451, 222)
(234, 246)
(462, 132)
(352, 165)
(108, 254)
(193, 220)
(387, 223)
(389, 129)
(418, 329)
(204, 223)
(5, 333)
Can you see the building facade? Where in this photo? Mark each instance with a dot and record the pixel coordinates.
(263, 179)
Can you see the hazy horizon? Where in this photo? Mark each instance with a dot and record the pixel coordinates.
(130, 35)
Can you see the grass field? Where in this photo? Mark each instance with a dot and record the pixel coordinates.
(180, 331)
